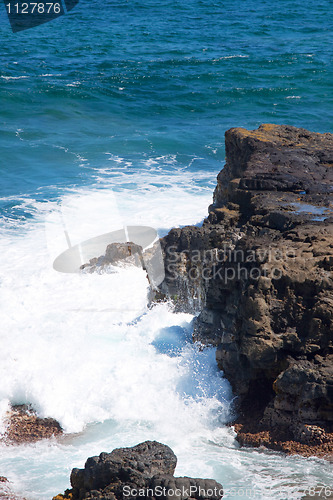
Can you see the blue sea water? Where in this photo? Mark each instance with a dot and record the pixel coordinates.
(124, 104)
(142, 79)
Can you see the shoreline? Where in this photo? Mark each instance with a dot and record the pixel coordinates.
(251, 435)
(25, 427)
(259, 273)
(273, 333)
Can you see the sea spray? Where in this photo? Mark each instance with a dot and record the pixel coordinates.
(86, 350)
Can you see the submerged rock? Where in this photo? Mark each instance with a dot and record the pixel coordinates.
(6, 493)
(144, 471)
(259, 271)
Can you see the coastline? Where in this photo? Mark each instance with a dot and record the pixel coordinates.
(259, 273)
(114, 115)
(252, 435)
(283, 379)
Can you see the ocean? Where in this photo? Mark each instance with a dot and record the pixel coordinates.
(114, 115)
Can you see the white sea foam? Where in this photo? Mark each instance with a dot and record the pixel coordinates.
(85, 349)
(14, 77)
(236, 56)
(160, 193)
(73, 84)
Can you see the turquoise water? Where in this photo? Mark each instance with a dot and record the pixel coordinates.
(116, 113)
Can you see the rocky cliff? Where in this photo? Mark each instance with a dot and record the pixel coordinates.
(259, 271)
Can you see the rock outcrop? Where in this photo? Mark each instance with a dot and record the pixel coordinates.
(124, 255)
(259, 271)
(116, 254)
(144, 471)
(24, 426)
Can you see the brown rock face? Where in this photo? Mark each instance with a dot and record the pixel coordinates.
(24, 426)
(276, 158)
(262, 266)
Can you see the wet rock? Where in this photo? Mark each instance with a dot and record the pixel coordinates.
(116, 254)
(146, 470)
(129, 254)
(24, 426)
(259, 272)
(6, 493)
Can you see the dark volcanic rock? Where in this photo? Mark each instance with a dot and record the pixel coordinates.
(259, 270)
(130, 472)
(131, 465)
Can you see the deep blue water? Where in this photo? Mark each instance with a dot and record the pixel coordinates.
(139, 79)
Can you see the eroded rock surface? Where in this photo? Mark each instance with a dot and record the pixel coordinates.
(130, 472)
(259, 270)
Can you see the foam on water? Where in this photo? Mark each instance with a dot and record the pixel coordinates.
(86, 350)
(140, 108)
